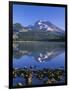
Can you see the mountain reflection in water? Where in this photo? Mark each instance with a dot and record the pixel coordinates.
(41, 51)
(37, 55)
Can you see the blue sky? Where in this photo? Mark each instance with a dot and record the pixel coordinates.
(28, 15)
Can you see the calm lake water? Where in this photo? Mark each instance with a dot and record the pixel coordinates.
(38, 55)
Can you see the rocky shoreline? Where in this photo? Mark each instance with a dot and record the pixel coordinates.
(54, 75)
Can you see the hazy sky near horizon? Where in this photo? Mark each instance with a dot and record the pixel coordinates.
(29, 14)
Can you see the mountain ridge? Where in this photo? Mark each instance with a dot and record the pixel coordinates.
(41, 30)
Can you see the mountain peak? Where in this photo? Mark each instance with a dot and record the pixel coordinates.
(47, 26)
(41, 25)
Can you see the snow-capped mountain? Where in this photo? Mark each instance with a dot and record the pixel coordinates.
(39, 25)
(41, 30)
(45, 26)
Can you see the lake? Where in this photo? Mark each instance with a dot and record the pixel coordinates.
(36, 56)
